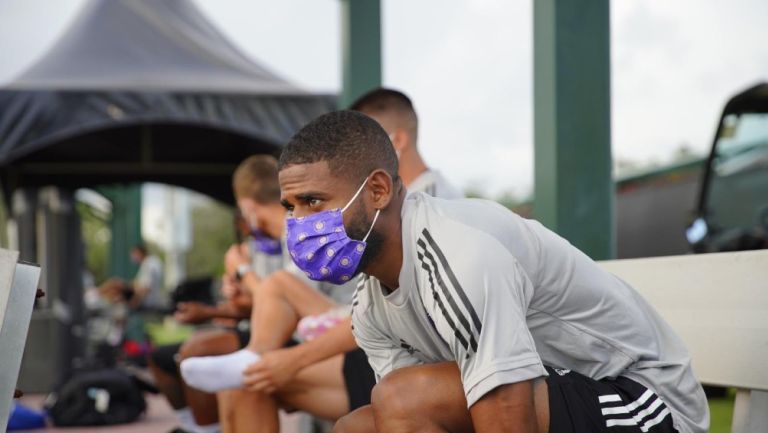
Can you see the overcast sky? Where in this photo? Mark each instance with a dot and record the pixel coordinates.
(467, 64)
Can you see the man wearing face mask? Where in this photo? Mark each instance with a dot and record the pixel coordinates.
(330, 331)
(395, 113)
(473, 318)
(327, 388)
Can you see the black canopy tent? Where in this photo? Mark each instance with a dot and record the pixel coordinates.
(134, 91)
(143, 90)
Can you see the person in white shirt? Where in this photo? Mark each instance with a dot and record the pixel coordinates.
(396, 114)
(473, 318)
(147, 287)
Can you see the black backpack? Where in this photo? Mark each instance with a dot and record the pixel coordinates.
(102, 397)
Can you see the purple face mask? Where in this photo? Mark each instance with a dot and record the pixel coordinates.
(320, 247)
(265, 243)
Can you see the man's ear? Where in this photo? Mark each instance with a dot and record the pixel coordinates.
(382, 188)
(400, 140)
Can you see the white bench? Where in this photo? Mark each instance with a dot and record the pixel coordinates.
(18, 286)
(718, 303)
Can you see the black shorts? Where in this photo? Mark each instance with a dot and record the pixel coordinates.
(165, 358)
(578, 404)
(358, 379)
(243, 336)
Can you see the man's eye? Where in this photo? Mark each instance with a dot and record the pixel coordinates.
(313, 202)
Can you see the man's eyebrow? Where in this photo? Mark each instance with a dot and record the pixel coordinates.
(304, 196)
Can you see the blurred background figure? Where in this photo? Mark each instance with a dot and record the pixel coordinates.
(146, 291)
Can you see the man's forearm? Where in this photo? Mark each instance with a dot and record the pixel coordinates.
(227, 311)
(335, 341)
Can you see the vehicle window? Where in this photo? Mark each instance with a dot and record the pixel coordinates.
(738, 194)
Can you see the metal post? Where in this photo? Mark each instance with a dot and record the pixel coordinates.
(19, 283)
(57, 330)
(24, 215)
(750, 411)
(361, 48)
(572, 132)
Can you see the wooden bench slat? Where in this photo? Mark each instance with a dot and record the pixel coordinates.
(20, 299)
(718, 303)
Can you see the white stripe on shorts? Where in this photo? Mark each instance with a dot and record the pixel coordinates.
(609, 398)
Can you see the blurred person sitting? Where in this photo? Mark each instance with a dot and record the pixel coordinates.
(280, 300)
(394, 111)
(145, 292)
(197, 410)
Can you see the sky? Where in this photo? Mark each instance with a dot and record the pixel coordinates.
(467, 65)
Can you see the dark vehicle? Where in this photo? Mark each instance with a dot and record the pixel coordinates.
(732, 207)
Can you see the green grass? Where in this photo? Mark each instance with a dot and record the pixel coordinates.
(168, 332)
(721, 412)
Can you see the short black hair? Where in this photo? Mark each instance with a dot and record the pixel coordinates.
(353, 144)
(141, 246)
(383, 100)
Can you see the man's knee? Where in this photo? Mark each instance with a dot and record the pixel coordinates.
(357, 421)
(209, 344)
(400, 394)
(344, 425)
(272, 286)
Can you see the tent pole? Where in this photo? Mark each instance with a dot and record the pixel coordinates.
(361, 48)
(572, 122)
(125, 226)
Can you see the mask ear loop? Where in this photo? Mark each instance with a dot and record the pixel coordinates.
(352, 200)
(375, 217)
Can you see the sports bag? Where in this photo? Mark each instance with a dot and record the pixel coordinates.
(103, 397)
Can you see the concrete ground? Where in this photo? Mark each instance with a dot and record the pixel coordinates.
(158, 419)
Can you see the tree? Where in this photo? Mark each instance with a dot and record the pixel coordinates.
(213, 231)
(96, 238)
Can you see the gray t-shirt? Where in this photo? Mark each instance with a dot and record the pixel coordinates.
(433, 183)
(150, 276)
(502, 296)
(264, 264)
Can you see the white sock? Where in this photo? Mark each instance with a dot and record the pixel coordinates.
(217, 373)
(185, 417)
(188, 424)
(210, 428)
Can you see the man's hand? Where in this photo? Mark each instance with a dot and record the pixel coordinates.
(236, 255)
(239, 298)
(230, 288)
(273, 371)
(192, 313)
(112, 289)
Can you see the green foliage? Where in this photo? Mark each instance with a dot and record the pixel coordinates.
(506, 198)
(473, 192)
(721, 413)
(212, 233)
(96, 237)
(510, 200)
